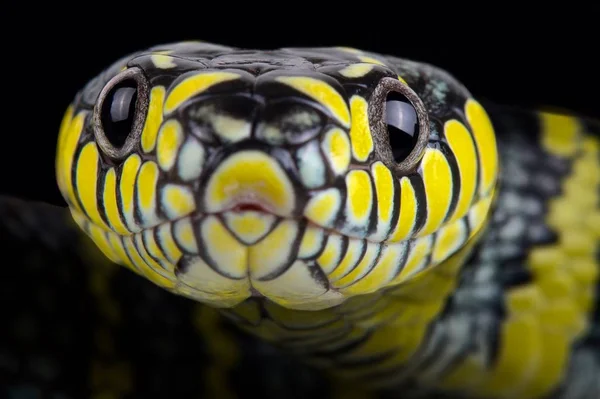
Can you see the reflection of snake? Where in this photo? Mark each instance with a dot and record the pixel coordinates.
(361, 211)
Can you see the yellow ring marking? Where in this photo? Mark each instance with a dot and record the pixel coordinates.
(485, 139)
(564, 317)
(593, 224)
(153, 119)
(553, 357)
(543, 260)
(86, 176)
(557, 284)
(437, 179)
(566, 287)
(126, 189)
(525, 299)
(360, 132)
(585, 271)
(170, 139)
(321, 92)
(560, 133)
(111, 208)
(254, 174)
(69, 137)
(195, 85)
(578, 243)
(356, 70)
(408, 211)
(546, 317)
(462, 146)
(524, 334)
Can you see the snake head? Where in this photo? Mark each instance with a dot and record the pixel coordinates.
(305, 176)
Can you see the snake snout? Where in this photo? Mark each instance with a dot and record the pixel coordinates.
(250, 180)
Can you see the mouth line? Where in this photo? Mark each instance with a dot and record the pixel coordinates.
(243, 208)
(197, 215)
(253, 207)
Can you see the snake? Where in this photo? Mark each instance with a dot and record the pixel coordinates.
(306, 222)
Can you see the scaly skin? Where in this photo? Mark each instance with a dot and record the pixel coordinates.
(267, 187)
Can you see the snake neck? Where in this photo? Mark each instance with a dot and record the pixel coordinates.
(377, 338)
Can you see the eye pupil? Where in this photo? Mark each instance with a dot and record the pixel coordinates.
(402, 124)
(118, 112)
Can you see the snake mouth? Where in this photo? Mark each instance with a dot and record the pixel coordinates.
(248, 206)
(223, 258)
(254, 219)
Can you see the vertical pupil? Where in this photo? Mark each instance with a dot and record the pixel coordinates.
(402, 124)
(118, 112)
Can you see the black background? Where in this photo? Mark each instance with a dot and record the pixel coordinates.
(496, 50)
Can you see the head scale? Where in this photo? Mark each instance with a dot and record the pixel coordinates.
(303, 175)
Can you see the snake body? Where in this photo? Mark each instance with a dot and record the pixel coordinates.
(305, 222)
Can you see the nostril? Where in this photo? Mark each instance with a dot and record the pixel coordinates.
(249, 207)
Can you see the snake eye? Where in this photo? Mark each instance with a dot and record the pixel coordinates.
(399, 124)
(402, 125)
(120, 112)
